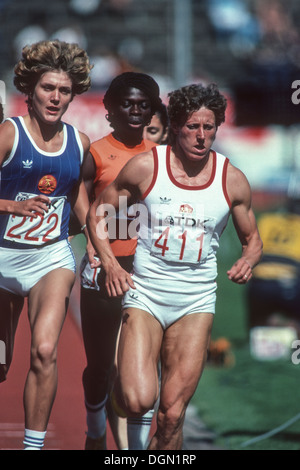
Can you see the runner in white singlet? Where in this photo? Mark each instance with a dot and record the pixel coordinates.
(184, 197)
(180, 243)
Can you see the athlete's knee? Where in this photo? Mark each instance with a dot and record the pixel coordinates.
(43, 356)
(140, 404)
(171, 415)
(133, 404)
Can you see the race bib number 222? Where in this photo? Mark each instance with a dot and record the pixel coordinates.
(36, 230)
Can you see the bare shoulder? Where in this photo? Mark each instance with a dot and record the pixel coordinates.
(85, 141)
(238, 187)
(139, 167)
(136, 175)
(7, 137)
(7, 128)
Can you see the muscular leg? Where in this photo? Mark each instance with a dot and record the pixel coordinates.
(100, 319)
(139, 348)
(117, 424)
(11, 308)
(183, 357)
(47, 307)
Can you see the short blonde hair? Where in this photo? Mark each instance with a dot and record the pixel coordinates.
(46, 56)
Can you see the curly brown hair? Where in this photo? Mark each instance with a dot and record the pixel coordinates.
(186, 100)
(46, 56)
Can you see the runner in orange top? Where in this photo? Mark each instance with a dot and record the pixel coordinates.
(110, 155)
(131, 101)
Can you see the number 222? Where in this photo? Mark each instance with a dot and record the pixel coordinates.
(28, 235)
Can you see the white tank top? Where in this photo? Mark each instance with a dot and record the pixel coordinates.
(180, 226)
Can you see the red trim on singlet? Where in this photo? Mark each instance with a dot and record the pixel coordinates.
(224, 180)
(155, 173)
(191, 188)
(94, 277)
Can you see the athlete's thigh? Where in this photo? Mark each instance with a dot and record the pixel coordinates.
(139, 349)
(48, 302)
(183, 356)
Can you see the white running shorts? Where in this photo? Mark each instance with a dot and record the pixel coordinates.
(21, 269)
(169, 303)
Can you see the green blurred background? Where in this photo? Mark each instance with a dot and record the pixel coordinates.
(253, 397)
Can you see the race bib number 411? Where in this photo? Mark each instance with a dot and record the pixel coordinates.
(182, 237)
(36, 230)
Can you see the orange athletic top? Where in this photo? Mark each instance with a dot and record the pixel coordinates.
(110, 156)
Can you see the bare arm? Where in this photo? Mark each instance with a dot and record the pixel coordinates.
(30, 207)
(131, 182)
(88, 171)
(88, 174)
(81, 202)
(245, 224)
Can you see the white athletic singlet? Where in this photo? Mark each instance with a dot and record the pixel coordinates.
(180, 228)
(184, 223)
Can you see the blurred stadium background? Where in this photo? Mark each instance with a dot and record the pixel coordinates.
(251, 49)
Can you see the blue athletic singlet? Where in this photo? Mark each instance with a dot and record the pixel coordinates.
(29, 172)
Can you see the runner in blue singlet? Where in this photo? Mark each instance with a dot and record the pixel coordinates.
(40, 179)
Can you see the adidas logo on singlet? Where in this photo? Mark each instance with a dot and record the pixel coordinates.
(28, 164)
(165, 200)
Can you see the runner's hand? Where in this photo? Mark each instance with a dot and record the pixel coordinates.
(241, 272)
(31, 207)
(118, 281)
(92, 255)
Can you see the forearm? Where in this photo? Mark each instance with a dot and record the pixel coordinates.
(28, 207)
(81, 208)
(252, 251)
(99, 237)
(7, 206)
(251, 243)
(117, 280)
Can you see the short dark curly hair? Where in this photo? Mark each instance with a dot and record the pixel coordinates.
(45, 56)
(188, 99)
